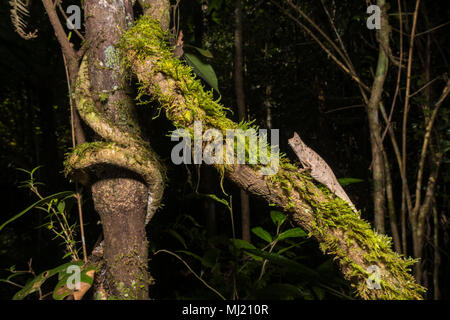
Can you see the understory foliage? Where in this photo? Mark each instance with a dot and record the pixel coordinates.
(276, 265)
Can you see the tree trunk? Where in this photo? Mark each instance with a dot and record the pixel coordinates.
(240, 99)
(379, 190)
(391, 205)
(120, 197)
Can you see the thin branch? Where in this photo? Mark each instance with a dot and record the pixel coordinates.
(13, 283)
(192, 271)
(398, 157)
(72, 127)
(399, 73)
(315, 26)
(408, 88)
(423, 32)
(66, 46)
(66, 18)
(426, 141)
(324, 48)
(339, 38)
(391, 204)
(425, 86)
(346, 108)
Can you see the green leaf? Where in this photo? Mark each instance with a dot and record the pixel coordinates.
(61, 206)
(244, 245)
(61, 290)
(203, 70)
(326, 267)
(263, 234)
(177, 236)
(38, 203)
(292, 233)
(204, 52)
(346, 181)
(277, 217)
(289, 248)
(36, 283)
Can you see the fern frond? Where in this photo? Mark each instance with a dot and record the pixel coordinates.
(19, 12)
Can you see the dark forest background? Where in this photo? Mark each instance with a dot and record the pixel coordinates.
(284, 70)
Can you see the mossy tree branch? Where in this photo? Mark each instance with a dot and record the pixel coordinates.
(339, 231)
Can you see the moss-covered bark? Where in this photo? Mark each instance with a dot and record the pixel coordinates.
(339, 231)
(128, 182)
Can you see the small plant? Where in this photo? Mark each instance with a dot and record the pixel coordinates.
(56, 207)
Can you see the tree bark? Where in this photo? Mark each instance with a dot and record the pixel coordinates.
(379, 189)
(240, 99)
(120, 197)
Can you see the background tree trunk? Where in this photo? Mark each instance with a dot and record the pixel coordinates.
(240, 100)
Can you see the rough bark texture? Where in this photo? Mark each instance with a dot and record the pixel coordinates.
(338, 229)
(157, 9)
(379, 190)
(120, 198)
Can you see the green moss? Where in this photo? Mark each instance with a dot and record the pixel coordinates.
(103, 96)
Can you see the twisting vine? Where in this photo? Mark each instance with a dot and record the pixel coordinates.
(120, 148)
(19, 12)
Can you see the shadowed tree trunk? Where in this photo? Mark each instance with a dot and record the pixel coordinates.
(378, 175)
(240, 99)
